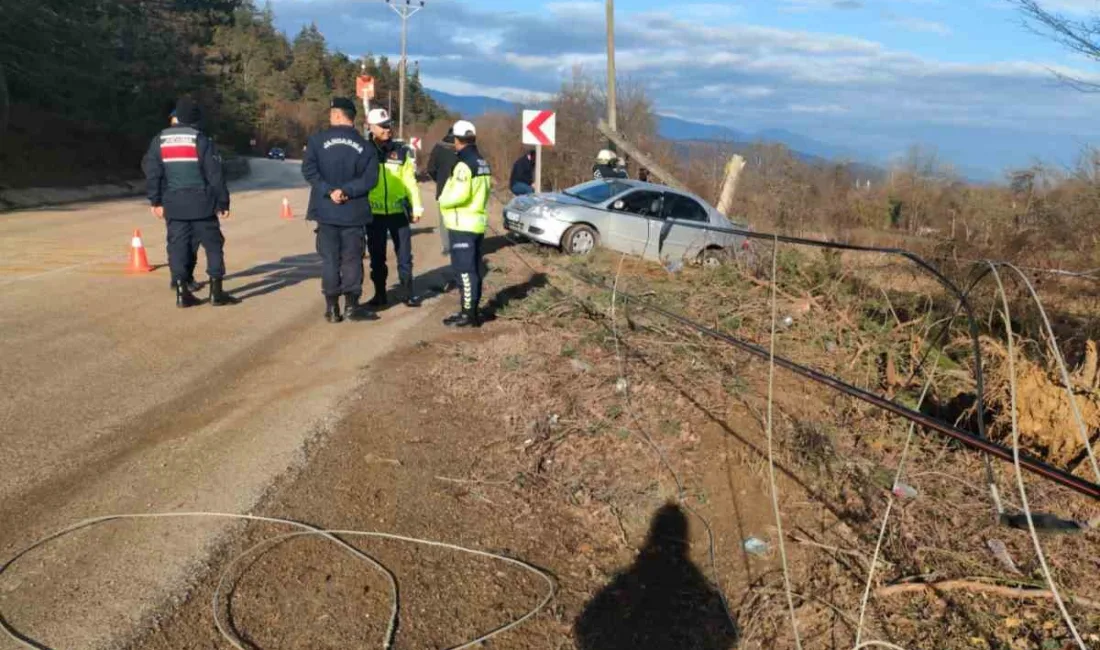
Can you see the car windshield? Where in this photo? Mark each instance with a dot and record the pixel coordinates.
(597, 191)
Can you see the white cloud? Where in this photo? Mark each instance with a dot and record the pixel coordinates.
(801, 6)
(459, 87)
(919, 25)
(734, 90)
(751, 76)
(818, 109)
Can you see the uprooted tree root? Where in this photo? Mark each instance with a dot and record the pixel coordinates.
(1047, 424)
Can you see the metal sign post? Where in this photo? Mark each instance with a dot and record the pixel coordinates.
(538, 168)
(364, 87)
(405, 11)
(539, 129)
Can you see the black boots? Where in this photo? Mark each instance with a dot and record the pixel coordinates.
(353, 311)
(218, 297)
(411, 299)
(379, 299)
(332, 309)
(184, 297)
(465, 318)
(191, 285)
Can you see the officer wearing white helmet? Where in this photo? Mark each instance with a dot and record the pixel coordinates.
(606, 165)
(395, 203)
(464, 206)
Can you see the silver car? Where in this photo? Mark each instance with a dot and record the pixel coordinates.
(630, 216)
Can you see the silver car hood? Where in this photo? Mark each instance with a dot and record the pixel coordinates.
(558, 197)
(528, 201)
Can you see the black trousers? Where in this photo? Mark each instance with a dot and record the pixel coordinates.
(192, 261)
(383, 228)
(184, 239)
(341, 250)
(466, 262)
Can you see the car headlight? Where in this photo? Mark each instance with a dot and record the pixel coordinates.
(544, 211)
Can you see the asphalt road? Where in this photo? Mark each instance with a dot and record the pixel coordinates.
(114, 401)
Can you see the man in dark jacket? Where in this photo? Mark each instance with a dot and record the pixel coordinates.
(342, 169)
(186, 187)
(441, 163)
(608, 166)
(523, 174)
(193, 261)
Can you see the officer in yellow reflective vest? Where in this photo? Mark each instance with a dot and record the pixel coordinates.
(395, 203)
(464, 205)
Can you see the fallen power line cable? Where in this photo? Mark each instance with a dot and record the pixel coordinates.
(645, 436)
(1012, 393)
(967, 438)
(226, 629)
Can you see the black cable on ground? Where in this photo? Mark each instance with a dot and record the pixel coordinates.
(967, 438)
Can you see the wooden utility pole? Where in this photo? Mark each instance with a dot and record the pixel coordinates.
(729, 187)
(640, 157)
(611, 108)
(405, 11)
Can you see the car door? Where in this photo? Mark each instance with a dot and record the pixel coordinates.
(630, 218)
(673, 234)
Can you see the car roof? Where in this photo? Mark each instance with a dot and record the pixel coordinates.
(657, 187)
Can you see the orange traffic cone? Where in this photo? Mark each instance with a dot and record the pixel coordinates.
(286, 213)
(139, 261)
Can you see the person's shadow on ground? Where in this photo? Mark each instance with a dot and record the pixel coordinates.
(662, 602)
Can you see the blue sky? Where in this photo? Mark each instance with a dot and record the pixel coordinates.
(962, 76)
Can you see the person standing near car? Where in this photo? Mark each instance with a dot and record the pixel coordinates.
(606, 166)
(186, 187)
(395, 203)
(342, 169)
(441, 163)
(523, 174)
(464, 206)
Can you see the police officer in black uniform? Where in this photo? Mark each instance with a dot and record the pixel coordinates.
(186, 186)
(342, 169)
(192, 262)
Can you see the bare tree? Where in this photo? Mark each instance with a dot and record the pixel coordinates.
(1081, 36)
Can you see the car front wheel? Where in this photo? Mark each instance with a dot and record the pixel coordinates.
(712, 258)
(581, 239)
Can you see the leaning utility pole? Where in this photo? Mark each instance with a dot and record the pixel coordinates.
(405, 11)
(611, 122)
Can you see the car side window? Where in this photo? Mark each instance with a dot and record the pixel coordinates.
(643, 203)
(678, 206)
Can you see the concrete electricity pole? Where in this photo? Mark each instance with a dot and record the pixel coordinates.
(405, 11)
(611, 122)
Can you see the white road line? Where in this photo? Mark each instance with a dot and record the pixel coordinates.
(60, 270)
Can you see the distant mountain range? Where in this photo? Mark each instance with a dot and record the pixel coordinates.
(470, 105)
(675, 128)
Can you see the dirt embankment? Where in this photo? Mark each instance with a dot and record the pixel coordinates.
(603, 453)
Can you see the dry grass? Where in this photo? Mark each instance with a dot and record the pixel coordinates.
(572, 436)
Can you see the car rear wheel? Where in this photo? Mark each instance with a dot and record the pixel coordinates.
(581, 239)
